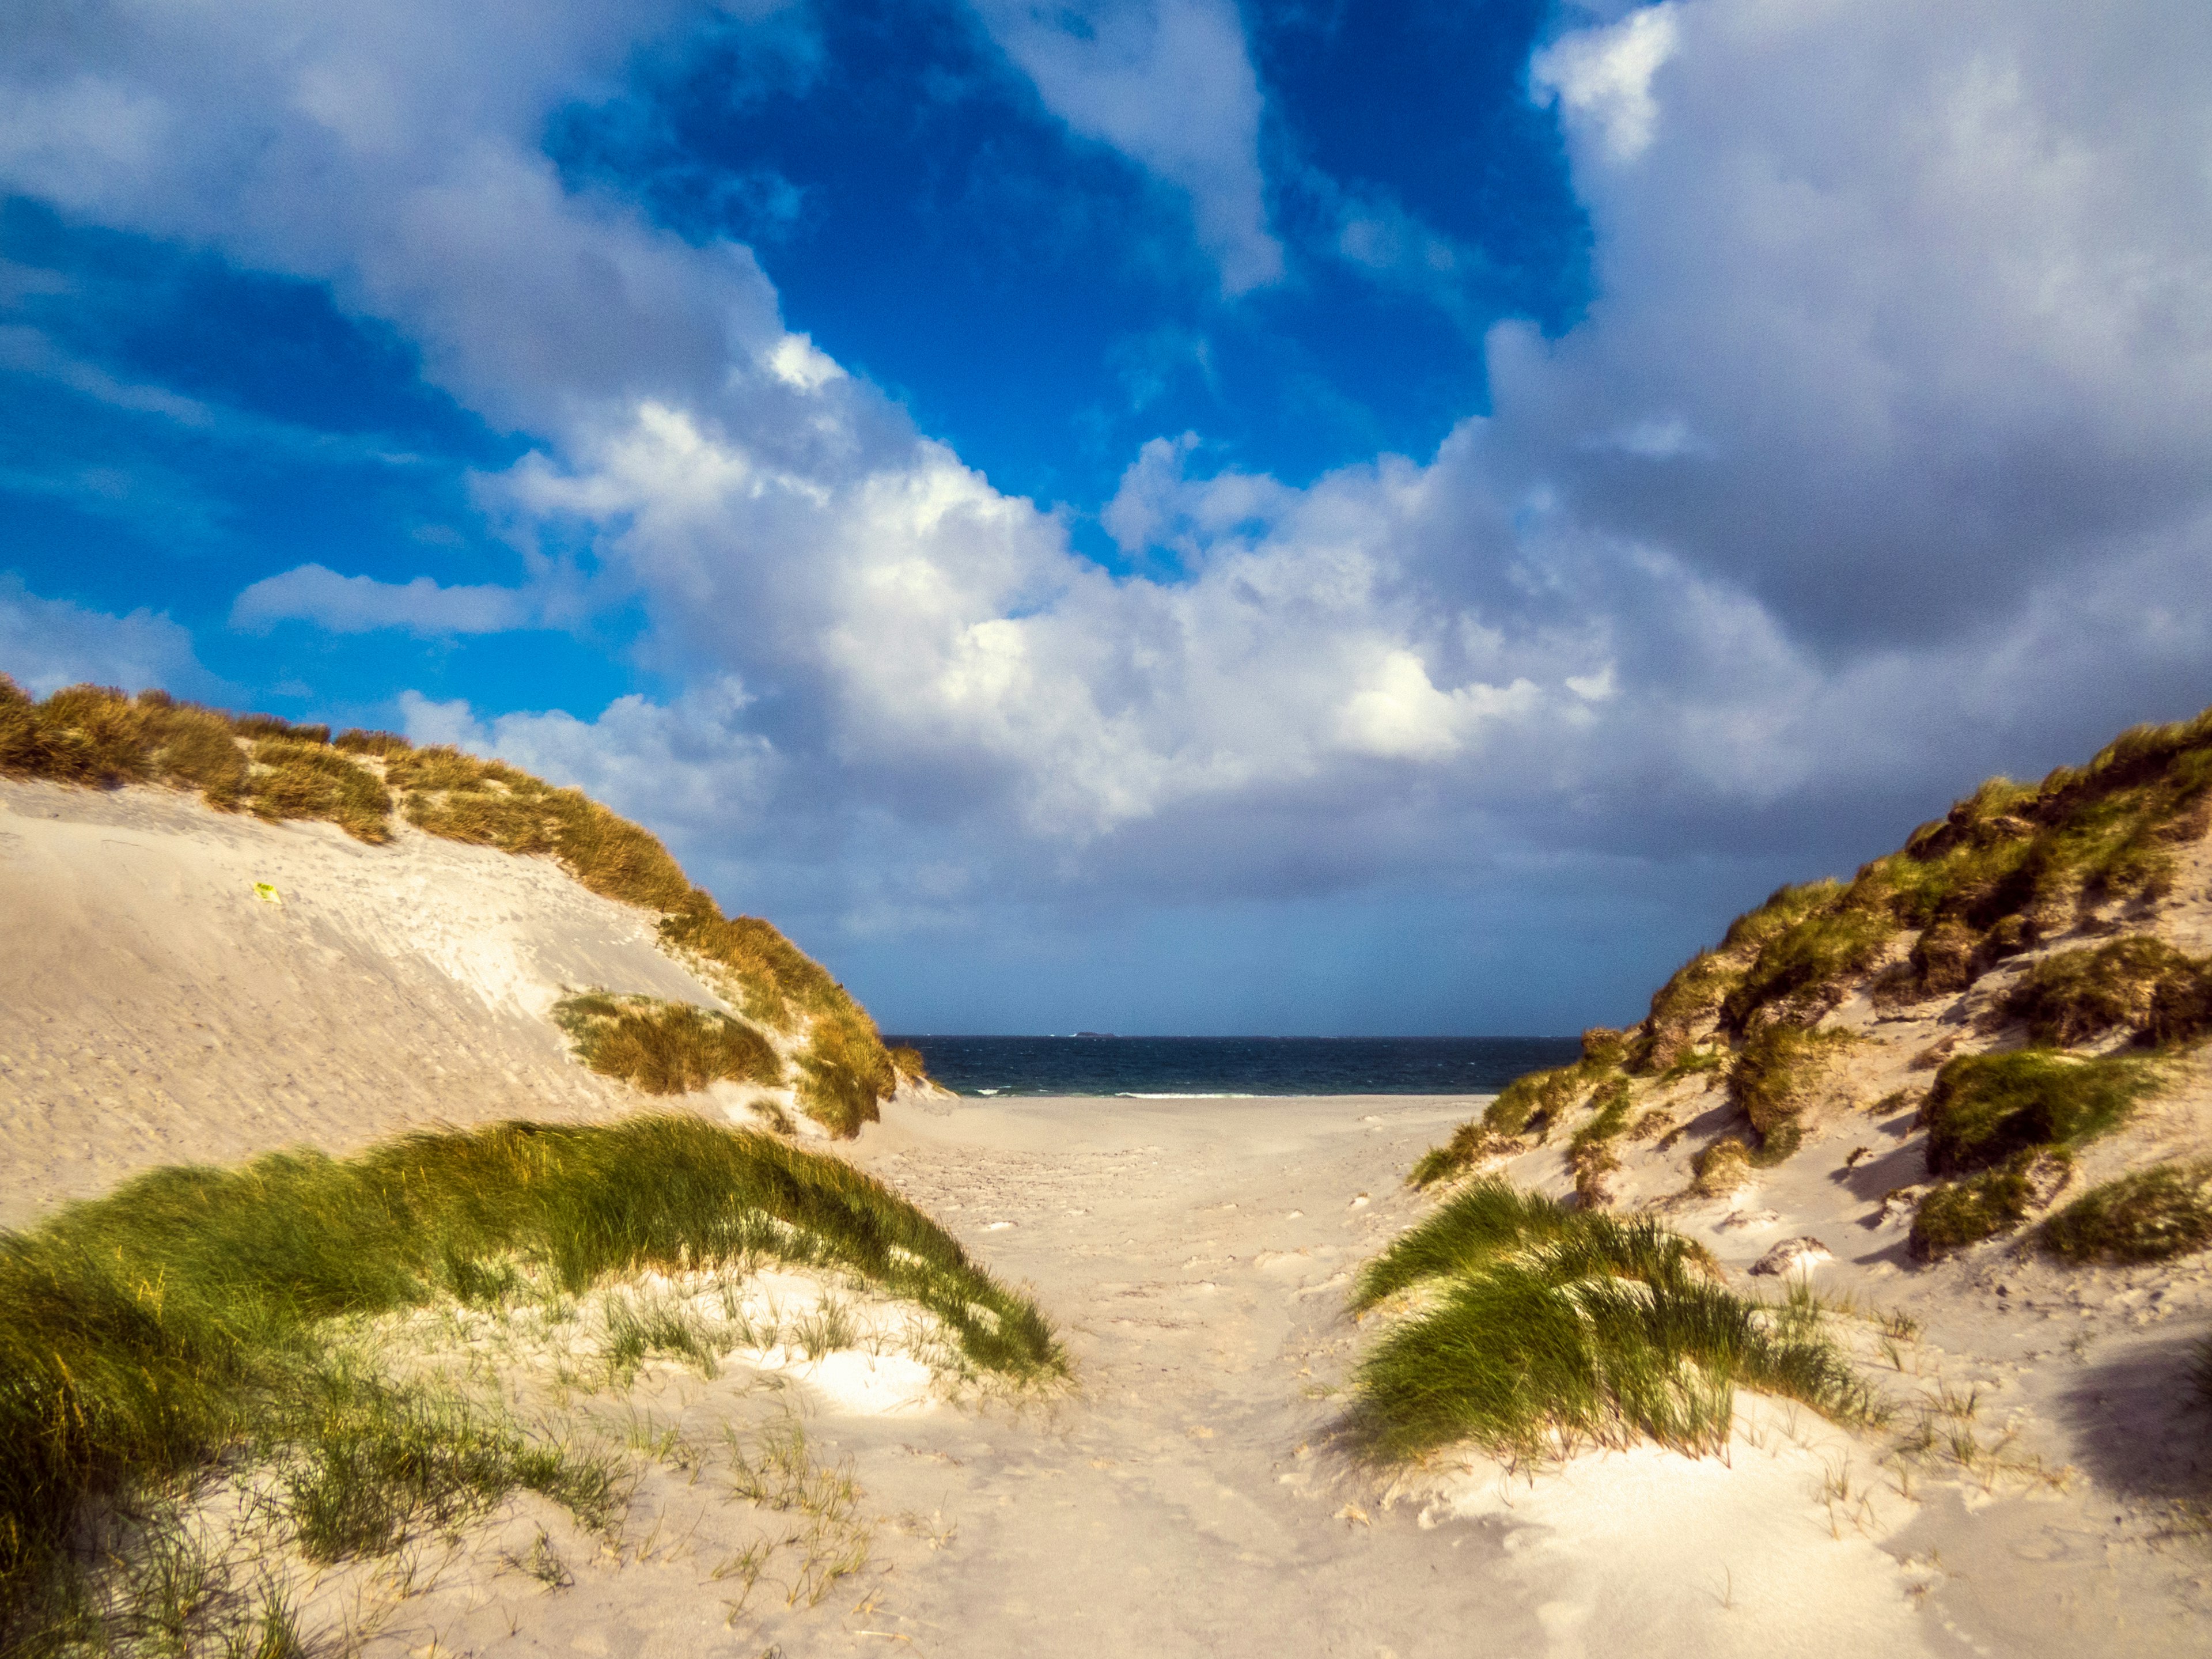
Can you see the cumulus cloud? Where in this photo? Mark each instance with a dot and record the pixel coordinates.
(1882, 453)
(1602, 77)
(1901, 314)
(1169, 83)
(45, 644)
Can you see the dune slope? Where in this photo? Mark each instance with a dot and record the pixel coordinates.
(220, 934)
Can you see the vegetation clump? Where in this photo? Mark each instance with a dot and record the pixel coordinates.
(2140, 984)
(2011, 866)
(666, 1048)
(1549, 1328)
(95, 736)
(844, 1070)
(2148, 1216)
(1590, 1152)
(1470, 1144)
(1985, 1110)
(1722, 1168)
(143, 1334)
(1956, 1213)
(1775, 1076)
(1530, 1105)
(1692, 996)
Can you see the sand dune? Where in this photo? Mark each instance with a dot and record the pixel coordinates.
(1190, 1496)
(155, 1008)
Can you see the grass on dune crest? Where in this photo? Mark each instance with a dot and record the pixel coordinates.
(1533, 1105)
(844, 1071)
(1546, 1328)
(2013, 865)
(95, 735)
(142, 1333)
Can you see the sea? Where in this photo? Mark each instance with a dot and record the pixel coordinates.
(1195, 1068)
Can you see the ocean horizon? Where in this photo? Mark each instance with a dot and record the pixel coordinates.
(1229, 1067)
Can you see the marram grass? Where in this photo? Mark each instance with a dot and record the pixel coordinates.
(1546, 1328)
(142, 1333)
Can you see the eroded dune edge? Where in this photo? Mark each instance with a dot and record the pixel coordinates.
(1850, 1303)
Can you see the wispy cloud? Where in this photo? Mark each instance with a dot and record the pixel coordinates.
(45, 644)
(361, 605)
(1170, 84)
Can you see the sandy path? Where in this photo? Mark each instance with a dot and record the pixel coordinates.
(1187, 1502)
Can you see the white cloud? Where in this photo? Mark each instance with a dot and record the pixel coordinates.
(683, 765)
(1882, 453)
(361, 604)
(1603, 76)
(1903, 312)
(1170, 84)
(45, 644)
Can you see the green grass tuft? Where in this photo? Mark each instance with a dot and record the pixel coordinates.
(1776, 1074)
(366, 1461)
(1986, 1108)
(1955, 1214)
(1469, 1144)
(2149, 1215)
(1552, 1328)
(1471, 1227)
(666, 1048)
(2140, 984)
(143, 1333)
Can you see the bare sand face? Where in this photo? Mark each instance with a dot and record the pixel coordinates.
(155, 1008)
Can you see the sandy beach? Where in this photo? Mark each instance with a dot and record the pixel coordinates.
(1188, 1493)
(1189, 1500)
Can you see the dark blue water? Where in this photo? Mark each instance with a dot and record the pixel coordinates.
(1234, 1066)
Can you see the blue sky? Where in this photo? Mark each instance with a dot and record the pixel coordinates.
(1144, 514)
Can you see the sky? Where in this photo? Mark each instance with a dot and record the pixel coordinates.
(1143, 515)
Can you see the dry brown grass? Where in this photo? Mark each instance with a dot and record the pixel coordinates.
(666, 1048)
(95, 736)
(458, 797)
(1722, 1168)
(845, 1072)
